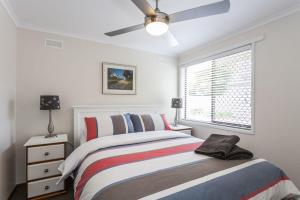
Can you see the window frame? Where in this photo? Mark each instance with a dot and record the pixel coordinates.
(215, 55)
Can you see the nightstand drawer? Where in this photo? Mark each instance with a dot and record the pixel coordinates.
(43, 170)
(44, 153)
(45, 186)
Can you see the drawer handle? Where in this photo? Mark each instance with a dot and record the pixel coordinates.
(47, 187)
(47, 154)
(46, 170)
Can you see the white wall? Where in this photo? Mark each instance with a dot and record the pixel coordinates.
(7, 103)
(277, 97)
(74, 73)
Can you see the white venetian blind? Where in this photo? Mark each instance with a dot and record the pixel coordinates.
(219, 90)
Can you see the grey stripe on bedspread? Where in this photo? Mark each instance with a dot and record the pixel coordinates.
(141, 186)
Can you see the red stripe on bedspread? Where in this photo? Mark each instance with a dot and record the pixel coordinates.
(266, 187)
(106, 163)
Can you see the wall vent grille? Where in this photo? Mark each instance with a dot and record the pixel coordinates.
(54, 43)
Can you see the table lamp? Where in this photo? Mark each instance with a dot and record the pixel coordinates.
(50, 102)
(176, 103)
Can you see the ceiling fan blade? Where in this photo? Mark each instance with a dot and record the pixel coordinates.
(202, 11)
(125, 30)
(171, 39)
(144, 6)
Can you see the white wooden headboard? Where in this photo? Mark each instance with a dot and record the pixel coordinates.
(80, 112)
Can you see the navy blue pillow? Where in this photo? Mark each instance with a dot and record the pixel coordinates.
(137, 124)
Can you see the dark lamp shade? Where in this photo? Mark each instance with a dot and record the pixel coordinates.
(49, 102)
(176, 103)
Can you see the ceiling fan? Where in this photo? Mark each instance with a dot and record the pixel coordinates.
(157, 23)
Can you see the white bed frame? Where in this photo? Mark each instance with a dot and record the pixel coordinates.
(89, 111)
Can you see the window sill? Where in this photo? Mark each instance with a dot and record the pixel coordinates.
(215, 126)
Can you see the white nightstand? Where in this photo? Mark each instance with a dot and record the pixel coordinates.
(43, 156)
(182, 128)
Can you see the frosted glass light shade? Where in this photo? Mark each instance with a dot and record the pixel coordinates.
(157, 28)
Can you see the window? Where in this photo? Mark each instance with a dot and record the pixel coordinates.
(219, 90)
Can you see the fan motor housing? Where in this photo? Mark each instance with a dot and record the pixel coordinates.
(158, 17)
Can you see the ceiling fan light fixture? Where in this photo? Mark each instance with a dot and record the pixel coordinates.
(157, 25)
(157, 28)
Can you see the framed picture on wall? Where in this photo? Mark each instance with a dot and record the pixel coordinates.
(118, 79)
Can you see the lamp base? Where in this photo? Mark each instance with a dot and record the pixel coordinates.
(50, 127)
(176, 118)
(50, 135)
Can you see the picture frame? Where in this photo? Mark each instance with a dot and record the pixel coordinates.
(118, 79)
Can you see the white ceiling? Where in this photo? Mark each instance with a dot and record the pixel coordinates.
(90, 19)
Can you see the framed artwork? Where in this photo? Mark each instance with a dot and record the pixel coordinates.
(118, 79)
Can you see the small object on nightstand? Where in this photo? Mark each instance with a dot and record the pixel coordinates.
(182, 128)
(176, 103)
(43, 156)
(50, 102)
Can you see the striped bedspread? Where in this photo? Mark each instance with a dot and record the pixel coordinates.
(163, 165)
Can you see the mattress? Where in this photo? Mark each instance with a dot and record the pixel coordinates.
(163, 165)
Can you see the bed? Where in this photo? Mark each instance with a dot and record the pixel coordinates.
(163, 165)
